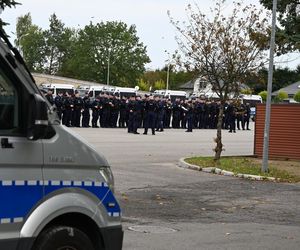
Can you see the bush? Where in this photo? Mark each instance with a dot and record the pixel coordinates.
(246, 91)
(282, 95)
(263, 95)
(297, 96)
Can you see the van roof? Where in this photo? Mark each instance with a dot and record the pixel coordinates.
(58, 85)
(124, 89)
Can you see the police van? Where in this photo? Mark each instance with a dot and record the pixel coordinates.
(171, 94)
(56, 191)
(252, 100)
(127, 92)
(58, 87)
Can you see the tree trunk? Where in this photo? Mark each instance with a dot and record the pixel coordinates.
(218, 140)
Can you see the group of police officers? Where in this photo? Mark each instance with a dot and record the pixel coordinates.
(148, 112)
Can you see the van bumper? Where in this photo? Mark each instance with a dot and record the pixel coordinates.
(112, 237)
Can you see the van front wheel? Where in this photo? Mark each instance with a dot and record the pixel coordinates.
(63, 238)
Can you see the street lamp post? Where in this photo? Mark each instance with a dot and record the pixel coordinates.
(168, 76)
(108, 67)
(19, 40)
(264, 167)
(168, 70)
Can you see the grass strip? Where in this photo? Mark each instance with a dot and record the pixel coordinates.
(243, 165)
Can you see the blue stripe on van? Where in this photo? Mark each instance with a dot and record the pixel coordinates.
(17, 198)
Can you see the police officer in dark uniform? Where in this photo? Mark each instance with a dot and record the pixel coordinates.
(58, 101)
(122, 119)
(160, 114)
(247, 115)
(184, 110)
(86, 111)
(95, 112)
(189, 116)
(49, 96)
(240, 116)
(114, 113)
(168, 114)
(176, 113)
(68, 106)
(106, 106)
(150, 115)
(78, 105)
(138, 113)
(131, 108)
(231, 109)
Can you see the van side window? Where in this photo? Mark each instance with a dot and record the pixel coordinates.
(9, 115)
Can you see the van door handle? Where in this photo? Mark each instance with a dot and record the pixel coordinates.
(5, 143)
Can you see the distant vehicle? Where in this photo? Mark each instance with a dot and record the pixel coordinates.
(57, 87)
(82, 89)
(127, 92)
(171, 94)
(252, 100)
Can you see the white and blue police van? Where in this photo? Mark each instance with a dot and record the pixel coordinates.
(56, 191)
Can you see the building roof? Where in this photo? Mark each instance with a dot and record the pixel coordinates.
(291, 90)
(188, 85)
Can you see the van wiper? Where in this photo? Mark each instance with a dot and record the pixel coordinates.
(15, 52)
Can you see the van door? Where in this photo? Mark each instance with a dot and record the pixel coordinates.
(21, 185)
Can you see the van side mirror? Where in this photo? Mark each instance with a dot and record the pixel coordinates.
(38, 118)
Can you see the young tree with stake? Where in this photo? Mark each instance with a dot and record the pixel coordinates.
(223, 49)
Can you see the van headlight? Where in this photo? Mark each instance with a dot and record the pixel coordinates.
(108, 177)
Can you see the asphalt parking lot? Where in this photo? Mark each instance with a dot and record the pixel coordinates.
(172, 208)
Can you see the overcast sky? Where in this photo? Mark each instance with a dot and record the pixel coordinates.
(149, 16)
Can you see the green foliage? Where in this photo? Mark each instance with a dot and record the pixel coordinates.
(83, 53)
(159, 85)
(282, 77)
(32, 46)
(176, 79)
(3, 5)
(144, 86)
(246, 91)
(58, 44)
(113, 41)
(297, 96)
(282, 95)
(263, 95)
(287, 35)
(44, 50)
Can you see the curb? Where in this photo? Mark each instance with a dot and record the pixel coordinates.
(183, 164)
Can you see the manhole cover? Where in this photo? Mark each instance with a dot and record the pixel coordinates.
(152, 229)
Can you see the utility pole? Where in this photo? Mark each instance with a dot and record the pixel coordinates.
(264, 167)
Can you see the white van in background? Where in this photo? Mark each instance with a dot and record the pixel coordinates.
(252, 100)
(57, 87)
(173, 94)
(127, 92)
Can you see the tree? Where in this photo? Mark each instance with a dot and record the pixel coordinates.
(31, 43)
(33, 48)
(263, 95)
(114, 42)
(24, 23)
(3, 5)
(58, 44)
(297, 96)
(222, 49)
(288, 35)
